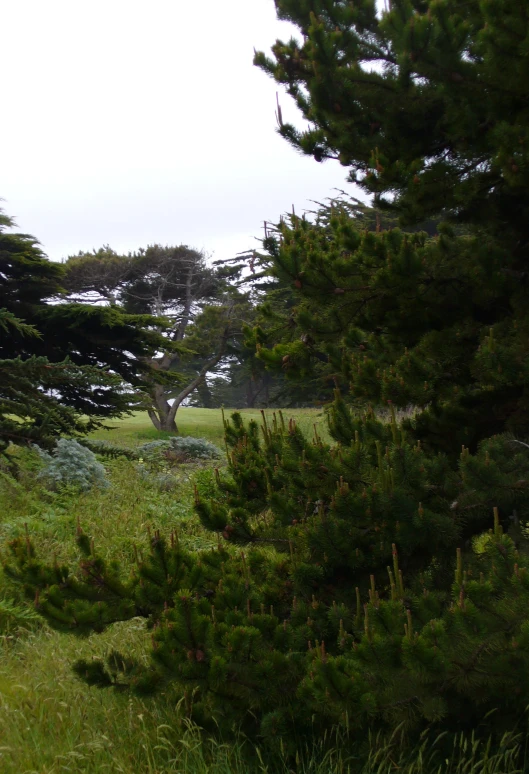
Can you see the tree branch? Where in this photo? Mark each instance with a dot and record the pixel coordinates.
(208, 366)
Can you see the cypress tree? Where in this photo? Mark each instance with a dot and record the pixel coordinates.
(64, 367)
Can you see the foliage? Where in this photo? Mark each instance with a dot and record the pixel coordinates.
(29, 408)
(422, 101)
(200, 304)
(276, 319)
(433, 323)
(63, 367)
(344, 592)
(107, 449)
(252, 378)
(195, 448)
(160, 460)
(86, 731)
(438, 322)
(72, 464)
(183, 447)
(15, 616)
(262, 635)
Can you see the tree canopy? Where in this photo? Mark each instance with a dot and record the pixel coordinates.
(65, 366)
(203, 311)
(422, 103)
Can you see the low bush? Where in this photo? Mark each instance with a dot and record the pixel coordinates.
(163, 480)
(71, 465)
(180, 449)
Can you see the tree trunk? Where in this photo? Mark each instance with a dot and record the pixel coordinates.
(169, 426)
(161, 413)
(250, 394)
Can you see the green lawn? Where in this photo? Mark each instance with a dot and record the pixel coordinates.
(201, 423)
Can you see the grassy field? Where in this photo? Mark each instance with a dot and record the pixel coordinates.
(50, 722)
(202, 423)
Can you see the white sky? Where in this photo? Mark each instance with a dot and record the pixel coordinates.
(129, 122)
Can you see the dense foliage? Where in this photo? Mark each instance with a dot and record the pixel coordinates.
(63, 366)
(354, 583)
(182, 448)
(424, 102)
(322, 626)
(201, 308)
(438, 323)
(71, 465)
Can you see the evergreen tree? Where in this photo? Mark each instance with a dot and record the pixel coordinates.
(331, 597)
(348, 588)
(278, 300)
(64, 367)
(202, 309)
(243, 379)
(431, 323)
(424, 103)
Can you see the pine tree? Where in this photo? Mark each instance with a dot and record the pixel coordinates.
(348, 588)
(331, 595)
(424, 104)
(301, 320)
(433, 323)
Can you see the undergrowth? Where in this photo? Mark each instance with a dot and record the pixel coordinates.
(51, 722)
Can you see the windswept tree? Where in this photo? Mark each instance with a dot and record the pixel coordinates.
(203, 310)
(64, 367)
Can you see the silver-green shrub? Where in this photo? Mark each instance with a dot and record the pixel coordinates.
(73, 465)
(195, 448)
(186, 447)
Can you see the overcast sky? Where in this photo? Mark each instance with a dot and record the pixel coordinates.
(128, 123)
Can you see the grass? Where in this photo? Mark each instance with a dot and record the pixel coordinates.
(51, 722)
(201, 423)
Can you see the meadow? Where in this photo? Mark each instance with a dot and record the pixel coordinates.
(202, 423)
(51, 722)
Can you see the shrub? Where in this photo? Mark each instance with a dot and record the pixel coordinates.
(73, 465)
(153, 449)
(107, 449)
(156, 458)
(195, 448)
(180, 448)
(307, 624)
